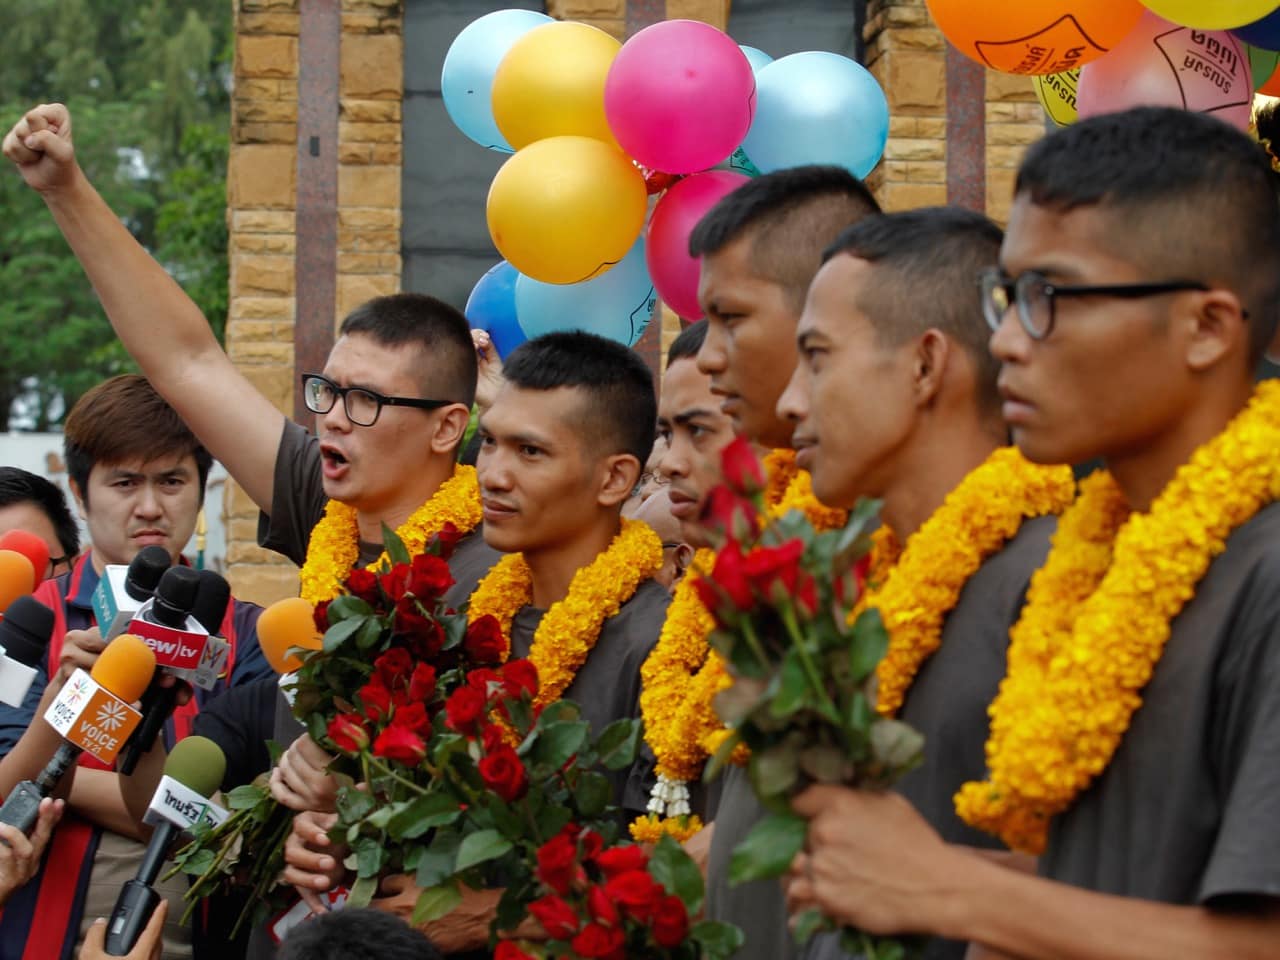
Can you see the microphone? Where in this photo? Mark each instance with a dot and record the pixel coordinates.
(24, 637)
(178, 645)
(283, 625)
(93, 713)
(213, 596)
(123, 590)
(17, 577)
(31, 547)
(193, 771)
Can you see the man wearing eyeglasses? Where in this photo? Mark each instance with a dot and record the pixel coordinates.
(1139, 287)
(30, 502)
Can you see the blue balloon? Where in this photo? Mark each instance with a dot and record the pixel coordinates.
(617, 304)
(817, 107)
(1264, 33)
(755, 56)
(492, 307)
(466, 82)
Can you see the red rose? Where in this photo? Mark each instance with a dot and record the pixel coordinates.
(423, 683)
(504, 774)
(670, 922)
(321, 616)
(728, 513)
(596, 941)
(591, 843)
(518, 677)
(636, 892)
(348, 733)
(558, 919)
(400, 745)
(618, 860)
(507, 950)
(393, 666)
(413, 716)
(429, 578)
(730, 575)
(484, 642)
(806, 594)
(363, 584)
(601, 907)
(767, 566)
(375, 698)
(558, 863)
(424, 635)
(492, 737)
(464, 709)
(485, 681)
(741, 467)
(446, 540)
(395, 582)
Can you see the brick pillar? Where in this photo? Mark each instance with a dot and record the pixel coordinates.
(1015, 120)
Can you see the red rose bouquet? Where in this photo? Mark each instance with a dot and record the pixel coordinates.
(802, 657)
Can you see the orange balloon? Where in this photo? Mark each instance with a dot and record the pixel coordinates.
(1044, 36)
(1272, 87)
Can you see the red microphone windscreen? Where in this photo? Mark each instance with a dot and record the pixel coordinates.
(17, 577)
(31, 547)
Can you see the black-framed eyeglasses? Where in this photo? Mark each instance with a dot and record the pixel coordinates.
(361, 404)
(1035, 297)
(54, 564)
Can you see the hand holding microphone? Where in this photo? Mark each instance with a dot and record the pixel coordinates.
(19, 856)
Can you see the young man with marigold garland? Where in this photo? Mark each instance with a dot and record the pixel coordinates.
(759, 248)
(892, 341)
(1135, 743)
(562, 447)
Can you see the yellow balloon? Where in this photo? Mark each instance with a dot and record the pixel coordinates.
(1211, 14)
(551, 84)
(566, 209)
(1057, 94)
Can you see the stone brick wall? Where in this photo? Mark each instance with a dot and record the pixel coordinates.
(1015, 120)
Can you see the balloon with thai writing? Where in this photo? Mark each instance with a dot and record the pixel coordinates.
(1162, 64)
(1057, 94)
(1034, 36)
(1211, 14)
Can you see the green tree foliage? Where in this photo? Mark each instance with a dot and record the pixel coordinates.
(148, 84)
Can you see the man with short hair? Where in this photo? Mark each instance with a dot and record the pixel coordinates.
(30, 502)
(760, 247)
(895, 399)
(138, 477)
(1141, 758)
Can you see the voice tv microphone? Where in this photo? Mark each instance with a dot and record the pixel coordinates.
(93, 712)
(193, 771)
(31, 547)
(24, 638)
(122, 590)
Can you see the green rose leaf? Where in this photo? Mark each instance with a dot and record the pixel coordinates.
(807, 924)
(370, 633)
(868, 644)
(421, 814)
(371, 855)
(345, 607)
(676, 871)
(560, 741)
(898, 746)
(768, 849)
(618, 744)
(435, 902)
(354, 804)
(362, 892)
(341, 632)
(718, 940)
(793, 687)
(437, 862)
(592, 794)
(246, 797)
(481, 847)
(394, 546)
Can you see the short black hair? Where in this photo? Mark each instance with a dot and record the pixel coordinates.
(791, 215)
(620, 409)
(689, 341)
(356, 934)
(442, 332)
(124, 419)
(1188, 198)
(23, 486)
(927, 263)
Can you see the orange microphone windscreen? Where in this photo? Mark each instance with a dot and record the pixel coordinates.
(31, 547)
(284, 624)
(17, 577)
(125, 667)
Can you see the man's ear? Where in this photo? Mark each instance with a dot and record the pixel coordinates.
(932, 354)
(450, 429)
(683, 557)
(78, 496)
(1217, 325)
(620, 476)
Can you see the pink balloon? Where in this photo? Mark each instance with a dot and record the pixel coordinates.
(673, 271)
(1161, 64)
(680, 96)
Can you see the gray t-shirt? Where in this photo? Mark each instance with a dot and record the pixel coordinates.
(298, 502)
(1188, 810)
(947, 703)
(607, 686)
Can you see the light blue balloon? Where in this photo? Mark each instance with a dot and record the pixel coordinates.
(817, 107)
(466, 81)
(755, 56)
(618, 304)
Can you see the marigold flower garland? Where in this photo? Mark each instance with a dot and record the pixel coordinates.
(334, 546)
(1097, 618)
(570, 628)
(683, 674)
(916, 587)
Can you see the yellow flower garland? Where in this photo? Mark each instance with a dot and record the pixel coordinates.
(335, 541)
(683, 674)
(915, 588)
(1097, 618)
(570, 628)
